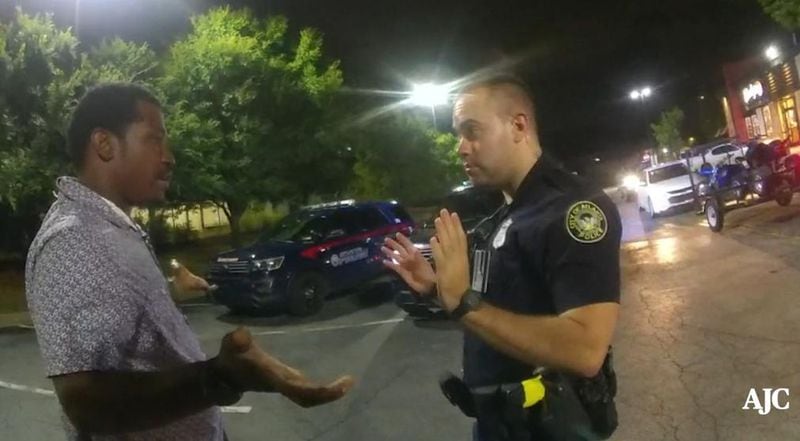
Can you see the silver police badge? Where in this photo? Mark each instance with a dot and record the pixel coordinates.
(500, 237)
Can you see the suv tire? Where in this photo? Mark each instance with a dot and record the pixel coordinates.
(307, 294)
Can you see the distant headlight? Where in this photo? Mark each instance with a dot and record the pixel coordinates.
(270, 264)
(631, 182)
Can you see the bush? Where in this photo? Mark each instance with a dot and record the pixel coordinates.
(261, 216)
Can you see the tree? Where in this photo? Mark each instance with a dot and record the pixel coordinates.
(42, 74)
(401, 157)
(667, 131)
(785, 12)
(247, 112)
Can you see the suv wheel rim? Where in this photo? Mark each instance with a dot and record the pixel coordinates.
(310, 295)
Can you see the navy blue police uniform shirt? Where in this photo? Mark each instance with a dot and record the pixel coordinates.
(554, 248)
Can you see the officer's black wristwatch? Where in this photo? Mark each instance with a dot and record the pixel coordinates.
(469, 302)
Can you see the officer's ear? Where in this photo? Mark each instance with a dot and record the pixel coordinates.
(521, 126)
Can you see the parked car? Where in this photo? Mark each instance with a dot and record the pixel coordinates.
(311, 253)
(725, 153)
(665, 187)
(716, 154)
(473, 204)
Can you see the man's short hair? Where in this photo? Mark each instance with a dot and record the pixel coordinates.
(108, 106)
(519, 88)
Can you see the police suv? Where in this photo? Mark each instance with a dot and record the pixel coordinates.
(315, 251)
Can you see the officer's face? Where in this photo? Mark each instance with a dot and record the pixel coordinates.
(485, 138)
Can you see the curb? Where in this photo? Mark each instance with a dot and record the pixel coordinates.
(16, 321)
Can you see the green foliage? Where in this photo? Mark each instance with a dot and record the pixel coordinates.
(667, 131)
(259, 217)
(247, 115)
(42, 74)
(785, 12)
(400, 157)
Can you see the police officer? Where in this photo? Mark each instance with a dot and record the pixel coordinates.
(544, 287)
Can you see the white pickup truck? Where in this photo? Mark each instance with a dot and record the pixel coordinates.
(664, 187)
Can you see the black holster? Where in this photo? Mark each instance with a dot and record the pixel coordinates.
(597, 396)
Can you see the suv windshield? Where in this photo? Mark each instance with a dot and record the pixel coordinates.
(665, 173)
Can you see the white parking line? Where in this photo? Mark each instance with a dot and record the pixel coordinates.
(236, 409)
(333, 327)
(23, 388)
(50, 393)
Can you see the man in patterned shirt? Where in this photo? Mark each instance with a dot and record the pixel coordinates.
(123, 360)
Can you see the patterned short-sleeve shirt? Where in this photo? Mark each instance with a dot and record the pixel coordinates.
(100, 302)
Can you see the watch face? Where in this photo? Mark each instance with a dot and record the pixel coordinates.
(473, 299)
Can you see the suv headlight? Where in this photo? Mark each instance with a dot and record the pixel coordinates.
(270, 264)
(631, 182)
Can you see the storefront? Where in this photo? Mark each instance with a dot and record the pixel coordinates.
(763, 100)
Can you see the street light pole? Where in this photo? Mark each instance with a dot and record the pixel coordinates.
(641, 95)
(77, 18)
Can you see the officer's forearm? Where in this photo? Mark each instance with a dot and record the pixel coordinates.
(553, 341)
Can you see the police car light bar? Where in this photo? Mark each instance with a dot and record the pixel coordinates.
(333, 204)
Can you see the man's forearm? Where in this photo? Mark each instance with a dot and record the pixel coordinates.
(551, 341)
(119, 402)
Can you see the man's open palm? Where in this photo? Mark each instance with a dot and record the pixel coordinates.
(252, 369)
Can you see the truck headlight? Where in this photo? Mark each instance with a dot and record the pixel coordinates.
(631, 182)
(270, 264)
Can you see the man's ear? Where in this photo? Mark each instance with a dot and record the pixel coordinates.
(521, 125)
(102, 143)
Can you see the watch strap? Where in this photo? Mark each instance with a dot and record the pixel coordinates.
(469, 302)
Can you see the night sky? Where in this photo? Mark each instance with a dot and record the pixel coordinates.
(581, 57)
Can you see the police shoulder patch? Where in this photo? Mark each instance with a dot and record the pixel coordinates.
(586, 222)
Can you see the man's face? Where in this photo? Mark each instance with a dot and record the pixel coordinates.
(485, 137)
(144, 167)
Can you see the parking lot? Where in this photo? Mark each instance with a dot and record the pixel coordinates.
(705, 317)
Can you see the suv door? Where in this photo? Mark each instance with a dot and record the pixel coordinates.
(376, 226)
(346, 248)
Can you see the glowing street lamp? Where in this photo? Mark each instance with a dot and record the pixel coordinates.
(641, 94)
(772, 52)
(429, 95)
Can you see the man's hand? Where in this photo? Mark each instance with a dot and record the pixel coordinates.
(252, 369)
(185, 281)
(450, 252)
(409, 263)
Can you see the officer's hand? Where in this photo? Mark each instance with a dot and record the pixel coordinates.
(409, 263)
(252, 369)
(450, 253)
(185, 281)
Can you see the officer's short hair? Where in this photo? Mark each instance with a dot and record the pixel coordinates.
(509, 81)
(111, 106)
